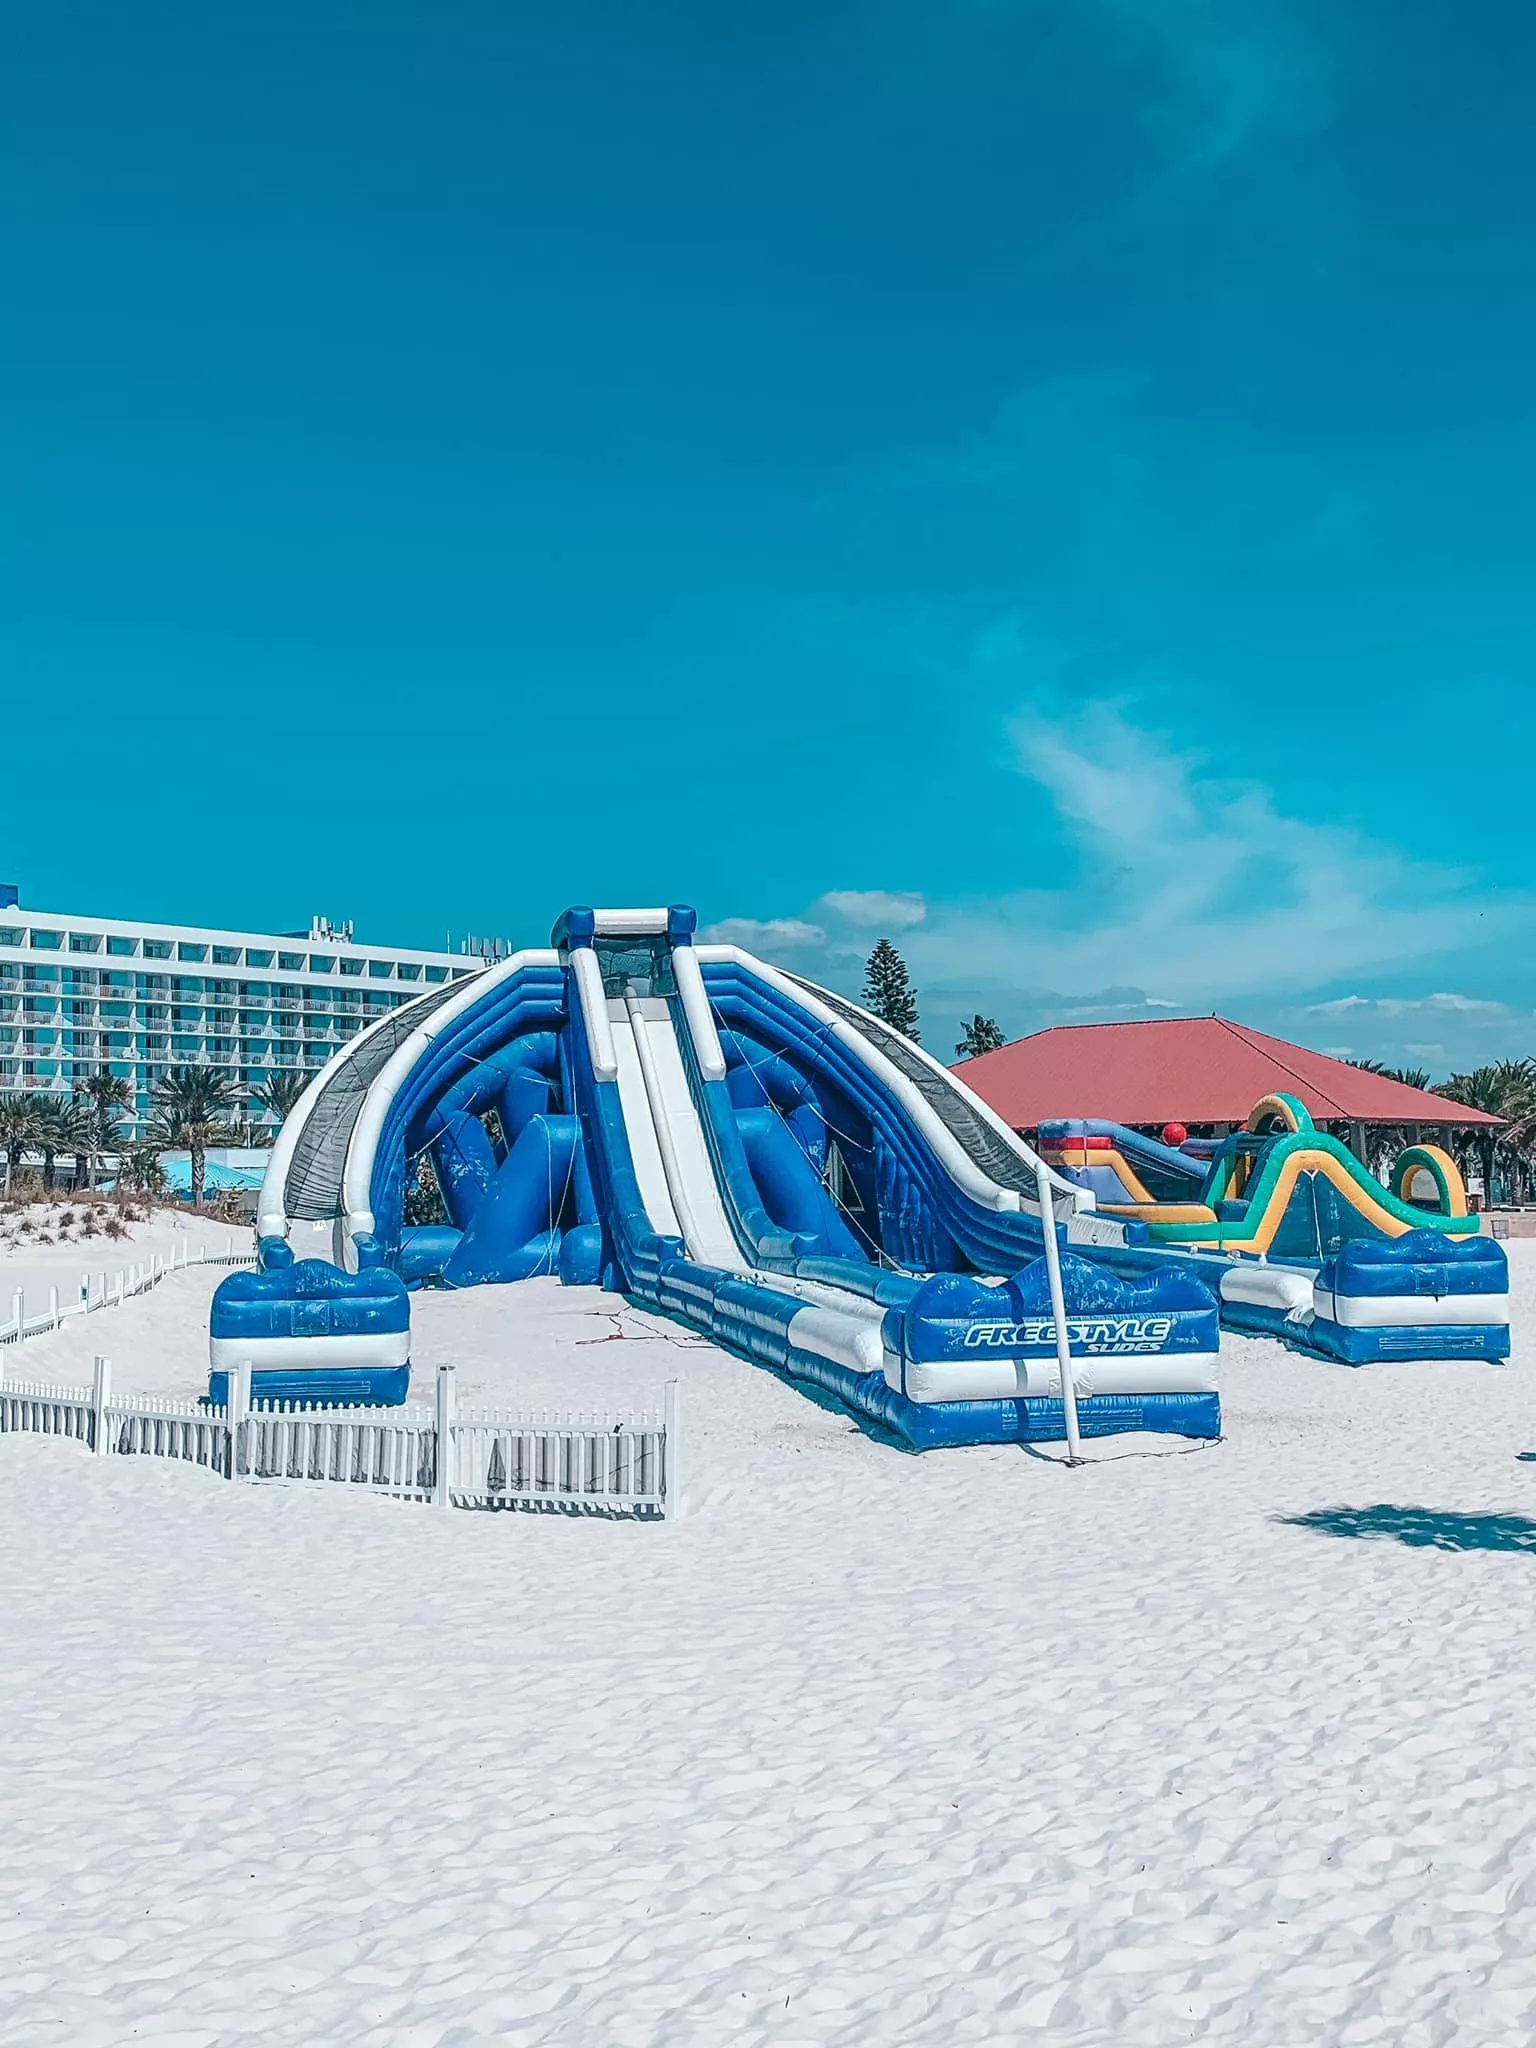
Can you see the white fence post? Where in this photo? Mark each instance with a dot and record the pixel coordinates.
(19, 1313)
(672, 1506)
(1059, 1316)
(237, 1406)
(442, 1496)
(101, 1393)
(53, 1308)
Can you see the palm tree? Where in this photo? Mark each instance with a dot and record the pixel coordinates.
(280, 1091)
(72, 1128)
(106, 1097)
(981, 1034)
(60, 1128)
(1411, 1077)
(1505, 1089)
(191, 1108)
(21, 1123)
(143, 1170)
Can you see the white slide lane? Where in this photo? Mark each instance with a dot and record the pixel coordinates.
(667, 1142)
(681, 1195)
(640, 1126)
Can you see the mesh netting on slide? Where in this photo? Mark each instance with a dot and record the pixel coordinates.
(312, 1191)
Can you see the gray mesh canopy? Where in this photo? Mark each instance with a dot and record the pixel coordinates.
(981, 1142)
(312, 1191)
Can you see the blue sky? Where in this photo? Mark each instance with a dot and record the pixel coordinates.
(1054, 484)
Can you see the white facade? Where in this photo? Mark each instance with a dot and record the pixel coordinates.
(81, 993)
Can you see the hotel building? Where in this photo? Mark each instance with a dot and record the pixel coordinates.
(79, 994)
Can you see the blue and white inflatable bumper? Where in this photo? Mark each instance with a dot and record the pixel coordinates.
(313, 1333)
(1144, 1353)
(1416, 1296)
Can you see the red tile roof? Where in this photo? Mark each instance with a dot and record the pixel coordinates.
(1191, 1070)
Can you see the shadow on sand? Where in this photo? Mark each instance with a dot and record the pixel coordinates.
(1423, 1528)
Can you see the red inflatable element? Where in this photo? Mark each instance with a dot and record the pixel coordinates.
(1174, 1134)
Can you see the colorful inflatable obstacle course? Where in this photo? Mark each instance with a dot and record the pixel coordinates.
(1283, 1193)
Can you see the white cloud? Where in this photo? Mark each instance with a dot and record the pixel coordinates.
(896, 910)
(1180, 890)
(1410, 1006)
(1194, 887)
(755, 934)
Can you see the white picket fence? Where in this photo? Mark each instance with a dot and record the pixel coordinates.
(607, 1462)
(98, 1291)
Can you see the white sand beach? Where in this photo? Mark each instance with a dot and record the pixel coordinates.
(1228, 1744)
(58, 1244)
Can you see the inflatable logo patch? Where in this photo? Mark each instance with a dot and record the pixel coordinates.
(1105, 1335)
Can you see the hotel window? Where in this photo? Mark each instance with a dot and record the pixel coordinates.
(437, 974)
(291, 963)
(409, 970)
(123, 948)
(322, 963)
(157, 949)
(188, 949)
(351, 966)
(226, 956)
(253, 958)
(12, 934)
(85, 942)
(381, 970)
(46, 942)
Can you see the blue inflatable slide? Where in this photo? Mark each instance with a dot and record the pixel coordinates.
(751, 1154)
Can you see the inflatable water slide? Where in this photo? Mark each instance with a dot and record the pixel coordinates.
(767, 1162)
(752, 1154)
(1371, 1272)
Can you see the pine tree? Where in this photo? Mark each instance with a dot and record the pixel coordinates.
(982, 1034)
(888, 990)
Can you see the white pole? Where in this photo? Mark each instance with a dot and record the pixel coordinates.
(53, 1308)
(442, 1496)
(672, 1498)
(1059, 1317)
(19, 1312)
(101, 1390)
(237, 1406)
